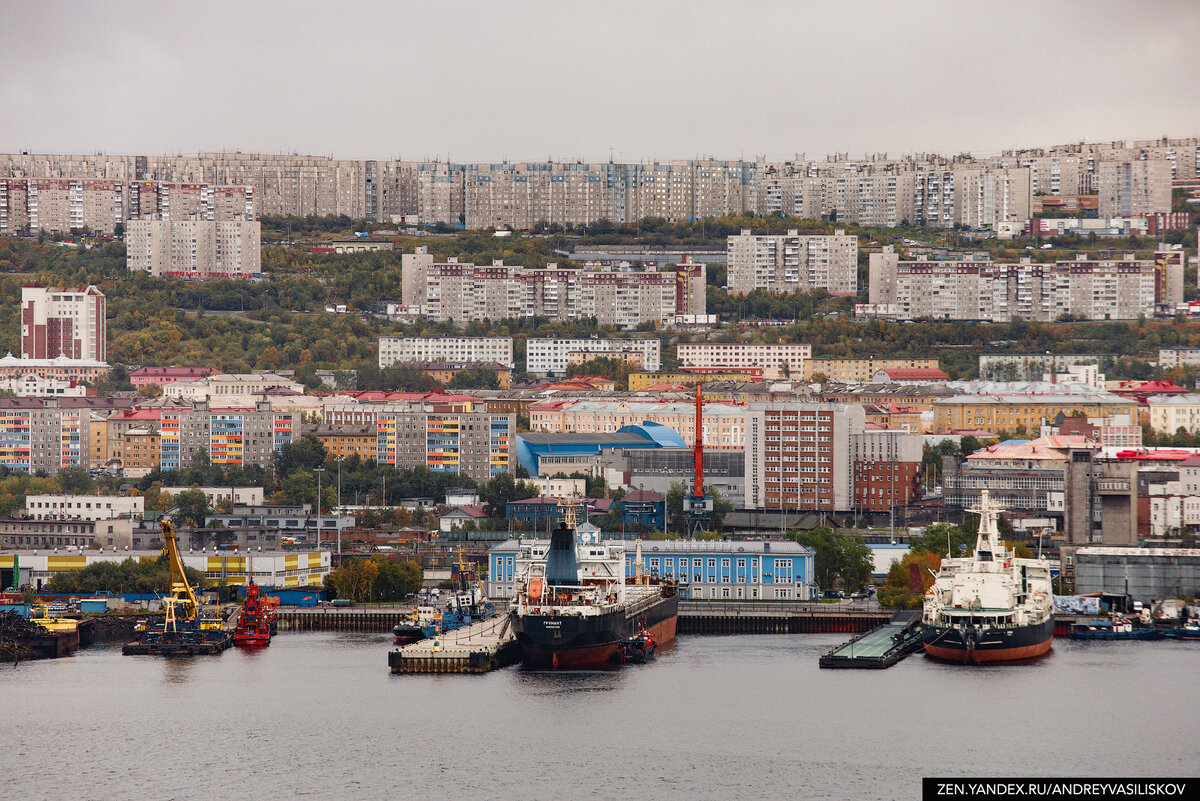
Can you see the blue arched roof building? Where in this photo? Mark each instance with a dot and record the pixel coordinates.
(541, 453)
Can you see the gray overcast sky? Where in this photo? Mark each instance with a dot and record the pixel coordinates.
(484, 81)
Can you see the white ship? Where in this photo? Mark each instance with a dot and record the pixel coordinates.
(990, 606)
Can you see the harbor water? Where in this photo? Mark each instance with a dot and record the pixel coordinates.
(739, 717)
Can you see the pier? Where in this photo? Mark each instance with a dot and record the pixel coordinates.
(717, 617)
(881, 647)
(478, 648)
(365, 619)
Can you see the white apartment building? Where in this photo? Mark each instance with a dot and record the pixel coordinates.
(197, 249)
(552, 356)
(1082, 289)
(457, 350)
(1175, 357)
(32, 385)
(774, 360)
(240, 496)
(84, 507)
(791, 262)
(230, 385)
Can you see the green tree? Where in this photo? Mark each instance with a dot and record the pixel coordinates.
(836, 556)
(896, 592)
(192, 507)
(75, 480)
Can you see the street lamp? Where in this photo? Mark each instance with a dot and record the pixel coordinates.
(319, 471)
(338, 522)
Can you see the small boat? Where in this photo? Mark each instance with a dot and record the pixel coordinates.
(638, 648)
(1188, 631)
(1111, 628)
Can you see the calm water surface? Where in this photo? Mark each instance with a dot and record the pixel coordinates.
(737, 717)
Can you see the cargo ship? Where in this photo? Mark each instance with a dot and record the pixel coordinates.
(574, 608)
(990, 606)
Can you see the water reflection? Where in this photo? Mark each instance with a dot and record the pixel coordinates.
(568, 682)
(176, 669)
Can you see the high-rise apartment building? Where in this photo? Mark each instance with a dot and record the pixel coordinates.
(459, 350)
(63, 322)
(1134, 187)
(799, 455)
(196, 249)
(1082, 289)
(791, 262)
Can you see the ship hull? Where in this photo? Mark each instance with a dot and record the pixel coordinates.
(560, 642)
(991, 644)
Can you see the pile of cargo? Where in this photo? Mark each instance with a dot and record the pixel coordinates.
(16, 634)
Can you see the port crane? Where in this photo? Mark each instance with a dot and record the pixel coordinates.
(699, 507)
(180, 602)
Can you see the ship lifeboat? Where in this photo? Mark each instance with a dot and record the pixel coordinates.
(534, 592)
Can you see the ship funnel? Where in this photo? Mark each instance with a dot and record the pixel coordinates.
(562, 566)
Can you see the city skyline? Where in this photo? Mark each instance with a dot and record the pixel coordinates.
(472, 82)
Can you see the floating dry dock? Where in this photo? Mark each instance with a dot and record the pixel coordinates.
(880, 647)
(478, 648)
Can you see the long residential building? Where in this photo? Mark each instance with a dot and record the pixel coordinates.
(1010, 412)
(860, 370)
(445, 438)
(624, 297)
(101, 190)
(195, 249)
(773, 360)
(792, 263)
(403, 350)
(553, 356)
(48, 434)
(1082, 289)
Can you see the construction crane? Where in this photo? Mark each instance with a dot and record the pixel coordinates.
(180, 602)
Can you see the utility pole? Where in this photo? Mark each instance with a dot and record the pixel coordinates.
(319, 471)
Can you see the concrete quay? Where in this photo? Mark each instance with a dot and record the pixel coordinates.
(478, 648)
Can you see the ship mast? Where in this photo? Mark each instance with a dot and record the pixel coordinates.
(987, 541)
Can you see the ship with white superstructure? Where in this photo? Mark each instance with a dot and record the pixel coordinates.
(989, 606)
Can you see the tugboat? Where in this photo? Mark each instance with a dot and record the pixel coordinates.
(254, 621)
(990, 606)
(639, 648)
(465, 607)
(574, 608)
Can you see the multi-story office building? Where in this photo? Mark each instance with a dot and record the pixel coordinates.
(553, 356)
(62, 322)
(792, 263)
(799, 456)
(198, 249)
(1083, 288)
(399, 350)
(625, 297)
(773, 360)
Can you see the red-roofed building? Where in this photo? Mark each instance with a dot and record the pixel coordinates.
(1141, 390)
(909, 375)
(162, 376)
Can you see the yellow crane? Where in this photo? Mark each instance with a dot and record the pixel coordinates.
(181, 602)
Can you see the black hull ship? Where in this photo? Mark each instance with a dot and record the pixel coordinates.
(574, 608)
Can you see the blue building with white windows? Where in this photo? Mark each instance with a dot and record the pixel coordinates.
(752, 570)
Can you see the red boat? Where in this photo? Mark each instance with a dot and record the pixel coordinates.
(255, 621)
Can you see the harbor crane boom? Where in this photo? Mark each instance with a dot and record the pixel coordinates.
(181, 602)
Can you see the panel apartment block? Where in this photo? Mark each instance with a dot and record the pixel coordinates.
(1083, 289)
(774, 360)
(791, 262)
(397, 350)
(196, 249)
(552, 356)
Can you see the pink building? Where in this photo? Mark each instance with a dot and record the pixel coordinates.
(63, 322)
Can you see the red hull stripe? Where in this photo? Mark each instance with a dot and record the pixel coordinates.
(981, 655)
